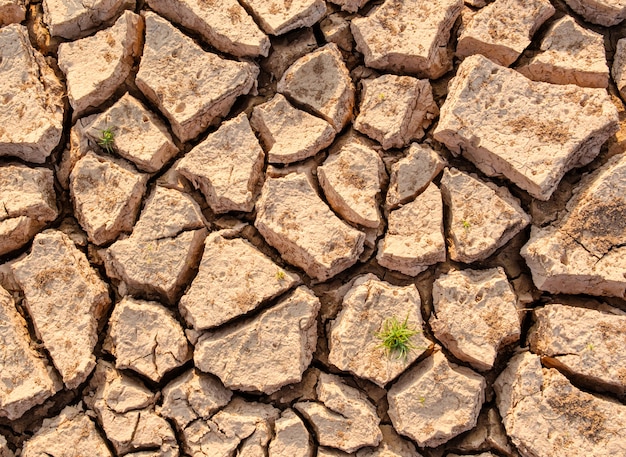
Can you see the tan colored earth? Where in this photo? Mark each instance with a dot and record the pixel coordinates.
(214, 214)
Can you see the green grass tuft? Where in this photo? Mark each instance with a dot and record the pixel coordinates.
(396, 336)
(107, 139)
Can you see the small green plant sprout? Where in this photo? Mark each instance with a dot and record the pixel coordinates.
(396, 336)
(466, 224)
(422, 400)
(590, 346)
(381, 96)
(280, 275)
(107, 139)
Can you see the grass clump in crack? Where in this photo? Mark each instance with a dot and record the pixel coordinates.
(107, 139)
(396, 336)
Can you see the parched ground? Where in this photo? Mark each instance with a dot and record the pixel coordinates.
(212, 212)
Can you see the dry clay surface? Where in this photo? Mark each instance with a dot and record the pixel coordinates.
(212, 212)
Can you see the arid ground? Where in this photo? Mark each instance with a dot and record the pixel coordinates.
(297, 228)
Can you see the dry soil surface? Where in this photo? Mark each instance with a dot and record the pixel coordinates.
(213, 212)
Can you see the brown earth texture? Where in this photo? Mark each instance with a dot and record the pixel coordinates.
(217, 215)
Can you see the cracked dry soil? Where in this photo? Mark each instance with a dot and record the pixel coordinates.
(283, 178)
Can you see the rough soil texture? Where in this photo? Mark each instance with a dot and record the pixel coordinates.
(312, 228)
